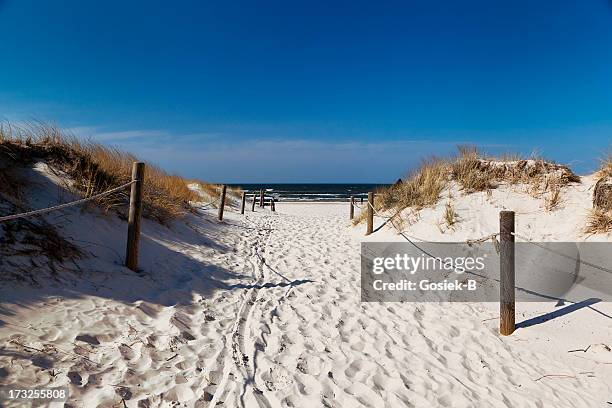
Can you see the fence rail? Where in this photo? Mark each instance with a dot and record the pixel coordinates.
(506, 249)
(134, 214)
(65, 205)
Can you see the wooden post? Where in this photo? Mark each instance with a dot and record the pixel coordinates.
(134, 216)
(272, 207)
(352, 211)
(222, 203)
(370, 213)
(261, 198)
(243, 202)
(506, 272)
(361, 200)
(254, 200)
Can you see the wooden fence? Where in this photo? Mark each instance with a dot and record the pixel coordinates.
(262, 201)
(507, 288)
(134, 212)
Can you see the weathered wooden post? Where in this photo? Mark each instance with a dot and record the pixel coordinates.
(254, 200)
(261, 198)
(352, 211)
(134, 216)
(506, 272)
(243, 202)
(222, 203)
(362, 200)
(370, 213)
(272, 207)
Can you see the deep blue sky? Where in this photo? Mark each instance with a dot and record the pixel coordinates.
(314, 91)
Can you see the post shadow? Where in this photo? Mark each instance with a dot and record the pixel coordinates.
(558, 313)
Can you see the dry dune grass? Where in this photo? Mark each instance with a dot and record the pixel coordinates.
(213, 191)
(606, 167)
(602, 195)
(11, 185)
(553, 199)
(450, 215)
(95, 168)
(422, 188)
(22, 240)
(475, 173)
(472, 173)
(599, 222)
(600, 218)
(88, 169)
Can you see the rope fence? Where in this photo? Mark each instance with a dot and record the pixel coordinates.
(206, 206)
(586, 263)
(505, 247)
(134, 214)
(256, 196)
(493, 237)
(61, 206)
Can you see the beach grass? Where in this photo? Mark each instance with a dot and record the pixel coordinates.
(474, 172)
(600, 217)
(94, 168)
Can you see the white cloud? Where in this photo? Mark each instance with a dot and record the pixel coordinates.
(295, 160)
(136, 138)
(218, 158)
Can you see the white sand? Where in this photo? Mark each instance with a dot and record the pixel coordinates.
(263, 310)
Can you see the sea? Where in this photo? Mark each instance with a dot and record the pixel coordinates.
(312, 192)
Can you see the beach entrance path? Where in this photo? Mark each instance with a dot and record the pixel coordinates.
(263, 310)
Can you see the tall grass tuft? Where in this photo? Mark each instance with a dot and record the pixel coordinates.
(450, 215)
(212, 192)
(422, 188)
(606, 167)
(468, 170)
(600, 218)
(599, 222)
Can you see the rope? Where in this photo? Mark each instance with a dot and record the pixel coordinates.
(387, 219)
(208, 204)
(401, 232)
(496, 244)
(468, 241)
(59, 207)
(486, 238)
(592, 265)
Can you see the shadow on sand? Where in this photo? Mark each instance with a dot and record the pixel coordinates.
(179, 262)
(561, 312)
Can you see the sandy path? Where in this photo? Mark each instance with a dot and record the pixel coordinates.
(264, 311)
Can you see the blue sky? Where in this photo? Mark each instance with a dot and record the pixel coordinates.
(277, 91)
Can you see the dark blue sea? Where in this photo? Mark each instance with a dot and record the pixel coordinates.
(312, 192)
